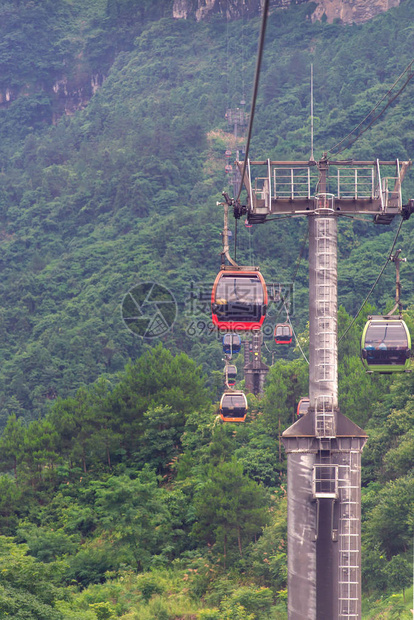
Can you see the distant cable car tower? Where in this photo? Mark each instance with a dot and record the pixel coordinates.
(236, 117)
(255, 371)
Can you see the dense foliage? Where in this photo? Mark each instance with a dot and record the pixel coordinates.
(121, 494)
(128, 490)
(124, 191)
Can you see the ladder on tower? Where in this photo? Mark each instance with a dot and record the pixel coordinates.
(349, 539)
(324, 417)
(325, 305)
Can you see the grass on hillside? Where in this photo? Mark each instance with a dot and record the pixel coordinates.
(174, 594)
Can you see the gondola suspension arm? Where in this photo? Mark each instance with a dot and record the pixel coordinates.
(226, 250)
(398, 305)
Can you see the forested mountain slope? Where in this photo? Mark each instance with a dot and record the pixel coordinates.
(122, 495)
(125, 190)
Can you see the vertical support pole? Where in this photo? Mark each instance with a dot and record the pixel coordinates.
(311, 97)
(323, 332)
(248, 374)
(348, 458)
(236, 174)
(256, 361)
(323, 392)
(255, 371)
(323, 451)
(398, 283)
(256, 349)
(302, 527)
(323, 383)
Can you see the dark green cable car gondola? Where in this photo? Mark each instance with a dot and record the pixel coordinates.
(386, 341)
(386, 344)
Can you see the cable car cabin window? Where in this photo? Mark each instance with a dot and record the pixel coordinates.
(283, 331)
(231, 372)
(386, 343)
(239, 301)
(240, 297)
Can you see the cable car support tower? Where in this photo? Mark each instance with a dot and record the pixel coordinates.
(255, 371)
(324, 447)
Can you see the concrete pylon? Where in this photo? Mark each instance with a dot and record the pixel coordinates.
(324, 456)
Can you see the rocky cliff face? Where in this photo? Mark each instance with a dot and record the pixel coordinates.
(73, 95)
(68, 96)
(231, 9)
(352, 11)
(348, 11)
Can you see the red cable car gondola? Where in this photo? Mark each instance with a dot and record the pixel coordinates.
(233, 407)
(303, 407)
(239, 300)
(283, 333)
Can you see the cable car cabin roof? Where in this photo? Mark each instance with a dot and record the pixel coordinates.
(303, 407)
(231, 344)
(233, 407)
(386, 345)
(283, 333)
(239, 300)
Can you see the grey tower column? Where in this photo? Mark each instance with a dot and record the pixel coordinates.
(301, 454)
(323, 394)
(324, 457)
(323, 338)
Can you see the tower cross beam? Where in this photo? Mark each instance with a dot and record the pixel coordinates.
(356, 187)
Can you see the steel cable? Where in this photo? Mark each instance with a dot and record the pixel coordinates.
(410, 75)
(374, 285)
(255, 90)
